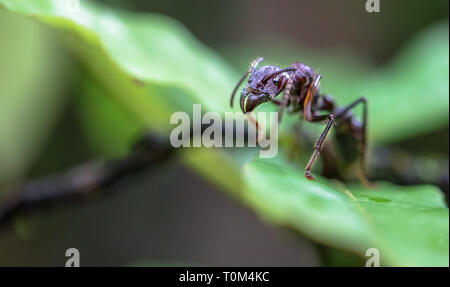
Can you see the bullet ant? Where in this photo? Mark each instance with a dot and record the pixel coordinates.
(299, 85)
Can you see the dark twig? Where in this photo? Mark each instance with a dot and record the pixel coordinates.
(84, 179)
(91, 177)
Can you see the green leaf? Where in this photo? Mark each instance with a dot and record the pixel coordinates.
(31, 78)
(408, 225)
(148, 47)
(103, 117)
(413, 90)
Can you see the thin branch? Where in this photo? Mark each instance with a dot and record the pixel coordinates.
(92, 177)
(84, 179)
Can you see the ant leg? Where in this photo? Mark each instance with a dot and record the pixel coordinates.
(362, 141)
(318, 145)
(259, 131)
(276, 102)
(310, 95)
(285, 100)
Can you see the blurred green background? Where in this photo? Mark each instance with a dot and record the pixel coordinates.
(55, 112)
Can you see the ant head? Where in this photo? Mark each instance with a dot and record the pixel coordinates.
(263, 85)
(260, 88)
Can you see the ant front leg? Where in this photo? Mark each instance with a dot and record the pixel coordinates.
(254, 122)
(311, 116)
(285, 100)
(319, 143)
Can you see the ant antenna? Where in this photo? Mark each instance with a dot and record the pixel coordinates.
(251, 69)
(255, 64)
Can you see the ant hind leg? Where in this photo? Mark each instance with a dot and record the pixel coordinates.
(362, 139)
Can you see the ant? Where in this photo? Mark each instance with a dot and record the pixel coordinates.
(299, 85)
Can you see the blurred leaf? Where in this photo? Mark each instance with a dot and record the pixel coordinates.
(103, 117)
(332, 257)
(148, 47)
(411, 95)
(409, 225)
(31, 96)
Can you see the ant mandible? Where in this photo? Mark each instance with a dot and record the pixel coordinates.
(300, 87)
